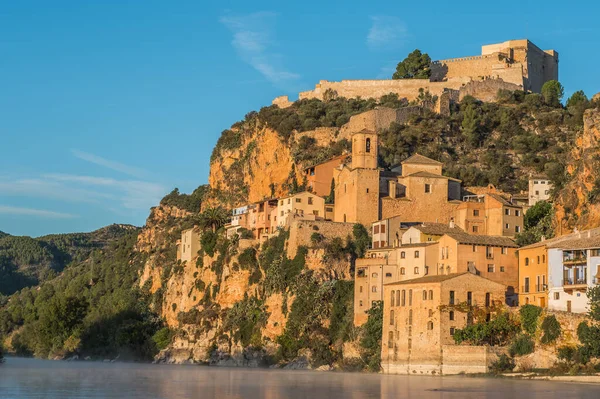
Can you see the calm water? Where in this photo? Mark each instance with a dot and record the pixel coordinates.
(27, 378)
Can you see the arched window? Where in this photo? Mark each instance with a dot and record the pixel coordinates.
(416, 270)
(391, 318)
(402, 271)
(398, 298)
(368, 145)
(403, 300)
(430, 325)
(424, 295)
(374, 288)
(390, 339)
(392, 299)
(402, 255)
(431, 295)
(409, 297)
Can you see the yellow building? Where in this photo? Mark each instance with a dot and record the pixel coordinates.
(489, 214)
(301, 206)
(533, 274)
(419, 321)
(189, 244)
(427, 232)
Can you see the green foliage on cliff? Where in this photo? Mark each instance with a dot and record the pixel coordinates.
(530, 315)
(188, 202)
(553, 92)
(551, 330)
(522, 345)
(245, 320)
(416, 65)
(500, 330)
(93, 308)
(538, 224)
(371, 337)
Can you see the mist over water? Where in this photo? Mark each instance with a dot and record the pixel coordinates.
(30, 378)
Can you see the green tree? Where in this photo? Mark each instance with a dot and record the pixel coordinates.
(553, 92)
(371, 339)
(470, 125)
(578, 98)
(416, 65)
(214, 218)
(361, 240)
(330, 199)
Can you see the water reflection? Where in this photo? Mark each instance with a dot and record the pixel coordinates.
(29, 378)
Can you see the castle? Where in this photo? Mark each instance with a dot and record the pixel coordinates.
(511, 65)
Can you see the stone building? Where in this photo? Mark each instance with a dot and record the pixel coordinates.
(320, 176)
(539, 189)
(489, 214)
(427, 232)
(420, 318)
(261, 217)
(301, 206)
(357, 184)
(492, 257)
(510, 65)
(387, 265)
(421, 193)
(189, 244)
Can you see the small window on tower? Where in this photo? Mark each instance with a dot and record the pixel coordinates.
(427, 188)
(368, 145)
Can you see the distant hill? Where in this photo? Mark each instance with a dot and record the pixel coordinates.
(27, 261)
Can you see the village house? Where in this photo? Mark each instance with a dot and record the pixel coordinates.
(188, 245)
(539, 189)
(489, 214)
(239, 220)
(427, 232)
(492, 257)
(533, 274)
(319, 177)
(573, 268)
(303, 206)
(384, 266)
(420, 317)
(261, 219)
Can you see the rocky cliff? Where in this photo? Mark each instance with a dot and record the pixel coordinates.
(578, 204)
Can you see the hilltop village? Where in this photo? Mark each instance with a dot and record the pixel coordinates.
(436, 245)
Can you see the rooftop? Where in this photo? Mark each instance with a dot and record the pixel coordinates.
(421, 160)
(437, 279)
(431, 175)
(583, 237)
(496, 241)
(437, 228)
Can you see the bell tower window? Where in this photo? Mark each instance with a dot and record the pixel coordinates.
(368, 145)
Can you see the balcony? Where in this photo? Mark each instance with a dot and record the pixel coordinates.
(575, 284)
(541, 288)
(574, 258)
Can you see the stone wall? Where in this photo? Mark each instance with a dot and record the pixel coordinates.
(282, 101)
(457, 359)
(420, 211)
(302, 230)
(323, 135)
(487, 90)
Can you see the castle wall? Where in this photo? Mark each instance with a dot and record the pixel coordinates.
(322, 135)
(487, 90)
(377, 120)
(418, 211)
(302, 230)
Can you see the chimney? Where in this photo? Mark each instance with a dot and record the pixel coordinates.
(543, 238)
(392, 185)
(452, 225)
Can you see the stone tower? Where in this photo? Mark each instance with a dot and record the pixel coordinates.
(365, 147)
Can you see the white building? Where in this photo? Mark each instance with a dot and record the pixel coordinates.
(572, 269)
(238, 215)
(539, 190)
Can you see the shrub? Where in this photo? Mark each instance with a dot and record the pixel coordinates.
(567, 353)
(162, 338)
(551, 329)
(316, 238)
(371, 340)
(504, 364)
(245, 234)
(529, 318)
(521, 346)
(209, 243)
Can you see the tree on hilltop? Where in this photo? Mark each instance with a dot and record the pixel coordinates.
(416, 66)
(553, 92)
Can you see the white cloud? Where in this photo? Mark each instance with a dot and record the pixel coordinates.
(45, 188)
(107, 163)
(386, 32)
(13, 210)
(252, 39)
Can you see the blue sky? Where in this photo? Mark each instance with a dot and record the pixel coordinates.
(105, 106)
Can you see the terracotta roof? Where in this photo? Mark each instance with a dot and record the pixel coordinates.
(500, 199)
(560, 242)
(438, 279)
(577, 243)
(417, 245)
(431, 175)
(497, 241)
(437, 228)
(420, 159)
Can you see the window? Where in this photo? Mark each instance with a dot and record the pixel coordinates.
(374, 275)
(504, 250)
(452, 331)
(289, 200)
(367, 191)
(469, 298)
(374, 288)
(491, 268)
(430, 312)
(430, 325)
(507, 212)
(476, 212)
(383, 228)
(388, 275)
(501, 269)
(547, 192)
(315, 212)
(391, 318)
(489, 252)
(410, 317)
(488, 299)
(392, 298)
(402, 271)
(431, 295)
(538, 260)
(360, 289)
(517, 229)
(517, 212)
(376, 229)
(475, 229)
(427, 188)
(390, 339)
(544, 258)
(298, 200)
(474, 248)
(424, 295)
(403, 298)
(557, 296)
(402, 255)
(451, 297)
(526, 287)
(368, 145)
(416, 254)
(451, 315)
(537, 192)
(310, 200)
(416, 270)
(398, 298)
(526, 261)
(409, 297)
(281, 213)
(507, 226)
(535, 182)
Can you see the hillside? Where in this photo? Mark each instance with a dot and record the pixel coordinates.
(26, 261)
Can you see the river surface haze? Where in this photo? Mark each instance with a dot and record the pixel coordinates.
(31, 378)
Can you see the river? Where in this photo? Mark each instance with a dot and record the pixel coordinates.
(31, 378)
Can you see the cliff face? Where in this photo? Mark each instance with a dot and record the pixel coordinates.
(578, 204)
